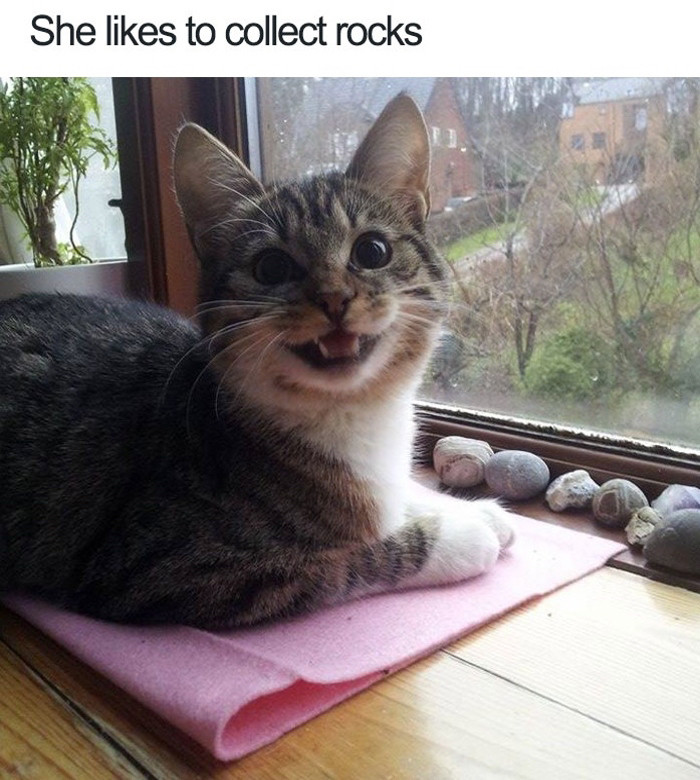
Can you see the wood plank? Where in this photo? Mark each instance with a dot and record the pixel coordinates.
(41, 738)
(612, 646)
(143, 736)
(442, 719)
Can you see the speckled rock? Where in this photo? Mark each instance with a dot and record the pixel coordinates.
(643, 522)
(460, 462)
(616, 501)
(677, 497)
(573, 490)
(676, 543)
(516, 474)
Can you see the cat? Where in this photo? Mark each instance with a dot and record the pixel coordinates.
(257, 465)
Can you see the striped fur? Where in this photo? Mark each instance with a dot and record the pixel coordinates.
(256, 464)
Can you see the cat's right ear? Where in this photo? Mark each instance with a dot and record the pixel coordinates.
(394, 157)
(209, 181)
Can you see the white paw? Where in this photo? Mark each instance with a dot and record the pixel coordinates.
(485, 510)
(465, 548)
(498, 519)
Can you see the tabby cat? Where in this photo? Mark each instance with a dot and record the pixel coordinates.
(256, 466)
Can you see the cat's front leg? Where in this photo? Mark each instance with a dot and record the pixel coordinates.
(464, 538)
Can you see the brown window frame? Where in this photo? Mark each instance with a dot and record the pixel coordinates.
(149, 111)
(652, 466)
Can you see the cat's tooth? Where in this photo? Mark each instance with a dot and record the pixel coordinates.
(322, 349)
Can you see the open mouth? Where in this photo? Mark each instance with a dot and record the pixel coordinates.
(336, 349)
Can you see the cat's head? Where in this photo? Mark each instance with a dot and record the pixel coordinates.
(326, 286)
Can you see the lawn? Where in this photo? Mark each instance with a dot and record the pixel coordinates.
(493, 235)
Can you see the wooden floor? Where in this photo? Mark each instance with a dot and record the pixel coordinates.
(599, 680)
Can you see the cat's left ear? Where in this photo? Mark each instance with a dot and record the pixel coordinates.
(209, 180)
(394, 157)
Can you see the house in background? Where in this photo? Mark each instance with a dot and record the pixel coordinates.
(610, 126)
(332, 115)
(454, 172)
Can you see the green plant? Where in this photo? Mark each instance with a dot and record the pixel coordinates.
(573, 364)
(47, 138)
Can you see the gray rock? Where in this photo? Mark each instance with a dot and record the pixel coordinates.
(676, 543)
(616, 501)
(516, 474)
(573, 490)
(642, 524)
(460, 462)
(677, 497)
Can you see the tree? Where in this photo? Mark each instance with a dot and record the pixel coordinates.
(643, 268)
(525, 265)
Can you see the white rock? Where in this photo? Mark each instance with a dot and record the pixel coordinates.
(573, 490)
(460, 462)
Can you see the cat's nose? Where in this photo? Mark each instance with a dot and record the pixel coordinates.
(334, 304)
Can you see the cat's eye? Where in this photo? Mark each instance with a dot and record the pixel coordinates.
(276, 267)
(371, 251)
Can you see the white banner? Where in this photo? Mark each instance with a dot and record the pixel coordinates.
(360, 38)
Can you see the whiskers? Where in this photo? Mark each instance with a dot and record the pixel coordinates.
(260, 302)
(250, 334)
(416, 320)
(262, 227)
(244, 334)
(271, 341)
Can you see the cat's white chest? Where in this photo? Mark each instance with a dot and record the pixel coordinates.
(375, 442)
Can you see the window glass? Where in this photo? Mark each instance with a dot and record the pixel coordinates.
(100, 226)
(575, 295)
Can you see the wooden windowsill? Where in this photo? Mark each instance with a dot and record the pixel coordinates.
(598, 679)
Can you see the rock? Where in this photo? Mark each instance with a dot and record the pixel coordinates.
(460, 462)
(677, 497)
(676, 543)
(616, 501)
(516, 474)
(573, 490)
(643, 522)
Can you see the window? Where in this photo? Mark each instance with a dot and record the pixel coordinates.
(640, 118)
(576, 302)
(100, 227)
(451, 138)
(435, 136)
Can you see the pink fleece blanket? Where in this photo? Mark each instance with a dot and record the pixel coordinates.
(235, 692)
